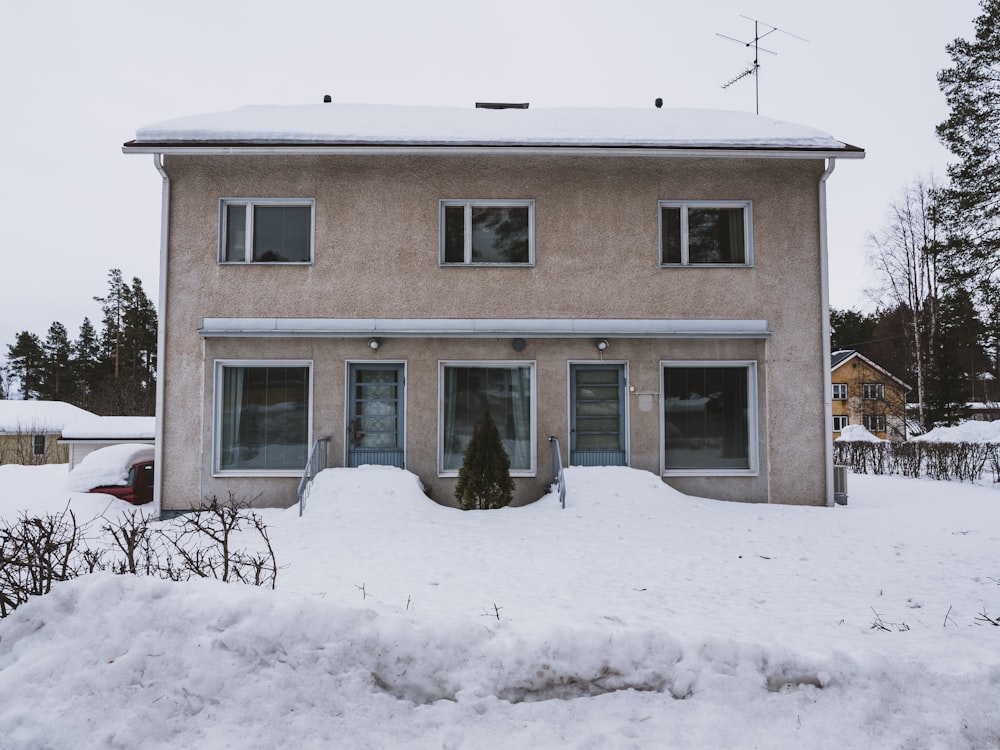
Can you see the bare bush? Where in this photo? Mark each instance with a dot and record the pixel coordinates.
(964, 462)
(37, 552)
(207, 544)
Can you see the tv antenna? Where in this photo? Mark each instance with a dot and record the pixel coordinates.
(754, 69)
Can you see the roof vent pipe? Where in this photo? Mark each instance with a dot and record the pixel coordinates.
(501, 105)
(327, 99)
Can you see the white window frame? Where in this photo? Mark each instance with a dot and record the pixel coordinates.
(753, 436)
(747, 207)
(510, 364)
(843, 420)
(468, 205)
(248, 243)
(219, 365)
(868, 388)
(840, 391)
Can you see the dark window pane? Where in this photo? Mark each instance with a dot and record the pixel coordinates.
(500, 234)
(236, 233)
(715, 235)
(281, 234)
(454, 234)
(706, 418)
(671, 228)
(265, 418)
(506, 392)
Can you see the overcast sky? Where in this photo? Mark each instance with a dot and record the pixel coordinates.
(77, 80)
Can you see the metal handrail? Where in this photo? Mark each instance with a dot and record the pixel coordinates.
(316, 463)
(558, 476)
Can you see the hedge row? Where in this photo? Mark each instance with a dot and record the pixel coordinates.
(964, 462)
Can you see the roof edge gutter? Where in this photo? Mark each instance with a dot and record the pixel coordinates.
(187, 149)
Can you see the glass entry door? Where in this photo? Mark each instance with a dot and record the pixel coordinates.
(597, 414)
(375, 415)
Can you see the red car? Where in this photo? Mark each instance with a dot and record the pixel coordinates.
(124, 470)
(139, 487)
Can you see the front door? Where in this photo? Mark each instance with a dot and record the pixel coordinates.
(375, 415)
(597, 414)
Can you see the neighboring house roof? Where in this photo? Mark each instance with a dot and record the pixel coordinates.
(839, 358)
(350, 126)
(38, 416)
(103, 429)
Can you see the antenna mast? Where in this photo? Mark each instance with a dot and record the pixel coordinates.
(754, 69)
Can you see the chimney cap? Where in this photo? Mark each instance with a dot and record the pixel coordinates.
(658, 102)
(327, 99)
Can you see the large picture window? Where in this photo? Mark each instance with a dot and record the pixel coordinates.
(709, 417)
(262, 422)
(467, 390)
(266, 231)
(487, 233)
(697, 233)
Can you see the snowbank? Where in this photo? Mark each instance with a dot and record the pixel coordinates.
(856, 433)
(636, 617)
(972, 431)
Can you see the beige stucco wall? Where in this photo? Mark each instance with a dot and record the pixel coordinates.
(596, 257)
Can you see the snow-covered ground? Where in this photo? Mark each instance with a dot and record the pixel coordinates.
(635, 618)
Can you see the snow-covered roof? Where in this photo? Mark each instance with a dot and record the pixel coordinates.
(111, 428)
(38, 417)
(838, 358)
(354, 125)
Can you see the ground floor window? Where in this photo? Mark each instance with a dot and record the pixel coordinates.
(467, 390)
(839, 422)
(709, 416)
(874, 422)
(262, 421)
(38, 445)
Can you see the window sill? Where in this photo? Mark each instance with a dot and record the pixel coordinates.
(526, 474)
(710, 473)
(706, 265)
(282, 473)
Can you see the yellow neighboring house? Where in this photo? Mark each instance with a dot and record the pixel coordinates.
(866, 394)
(30, 431)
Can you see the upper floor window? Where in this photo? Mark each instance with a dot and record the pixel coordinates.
(487, 232)
(706, 233)
(266, 230)
(839, 422)
(873, 391)
(840, 391)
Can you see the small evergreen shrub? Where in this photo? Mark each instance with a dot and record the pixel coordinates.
(484, 480)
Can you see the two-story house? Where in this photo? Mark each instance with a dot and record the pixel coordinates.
(647, 285)
(866, 393)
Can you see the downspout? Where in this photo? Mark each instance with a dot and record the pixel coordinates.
(824, 266)
(161, 336)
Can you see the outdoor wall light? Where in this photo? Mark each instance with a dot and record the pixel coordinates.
(602, 344)
(374, 344)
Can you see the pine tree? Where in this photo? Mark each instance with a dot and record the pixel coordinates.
(971, 201)
(86, 364)
(26, 359)
(484, 481)
(57, 383)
